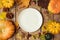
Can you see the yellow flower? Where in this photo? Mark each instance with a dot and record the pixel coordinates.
(3, 15)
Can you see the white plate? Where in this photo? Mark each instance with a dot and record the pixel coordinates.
(30, 19)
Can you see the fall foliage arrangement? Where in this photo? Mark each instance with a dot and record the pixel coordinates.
(48, 30)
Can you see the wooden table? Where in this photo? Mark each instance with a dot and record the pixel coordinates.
(46, 17)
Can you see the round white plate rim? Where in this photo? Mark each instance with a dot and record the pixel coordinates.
(34, 29)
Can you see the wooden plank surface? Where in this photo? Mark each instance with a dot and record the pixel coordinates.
(46, 17)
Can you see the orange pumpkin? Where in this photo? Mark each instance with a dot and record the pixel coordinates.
(6, 29)
(54, 6)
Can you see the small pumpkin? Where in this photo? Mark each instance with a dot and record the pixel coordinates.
(49, 36)
(7, 3)
(52, 27)
(54, 6)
